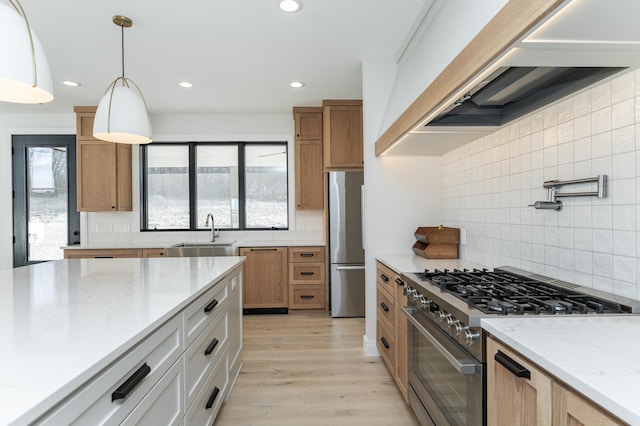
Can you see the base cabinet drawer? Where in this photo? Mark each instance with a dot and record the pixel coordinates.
(385, 346)
(306, 296)
(306, 273)
(112, 396)
(164, 404)
(208, 401)
(198, 315)
(386, 310)
(203, 354)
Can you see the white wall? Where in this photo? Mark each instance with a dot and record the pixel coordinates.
(400, 193)
(488, 184)
(62, 124)
(448, 28)
(303, 225)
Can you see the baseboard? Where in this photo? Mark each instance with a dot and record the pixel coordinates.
(369, 346)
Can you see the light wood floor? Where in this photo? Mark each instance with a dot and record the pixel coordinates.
(307, 368)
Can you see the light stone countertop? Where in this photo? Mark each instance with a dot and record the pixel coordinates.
(596, 355)
(411, 263)
(235, 243)
(62, 322)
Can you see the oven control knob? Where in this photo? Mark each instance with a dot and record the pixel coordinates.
(424, 302)
(411, 293)
(443, 316)
(452, 322)
(470, 337)
(460, 327)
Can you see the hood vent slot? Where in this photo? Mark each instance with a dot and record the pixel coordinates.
(511, 92)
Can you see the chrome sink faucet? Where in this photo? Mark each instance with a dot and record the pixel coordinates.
(213, 227)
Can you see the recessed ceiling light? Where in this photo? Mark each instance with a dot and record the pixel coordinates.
(185, 84)
(71, 83)
(290, 5)
(296, 84)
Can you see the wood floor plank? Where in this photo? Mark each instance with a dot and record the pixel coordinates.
(307, 368)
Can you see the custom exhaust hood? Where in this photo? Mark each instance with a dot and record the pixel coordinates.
(579, 44)
(511, 92)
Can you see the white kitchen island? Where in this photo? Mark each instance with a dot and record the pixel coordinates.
(72, 332)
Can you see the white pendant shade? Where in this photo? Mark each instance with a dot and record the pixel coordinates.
(16, 62)
(122, 117)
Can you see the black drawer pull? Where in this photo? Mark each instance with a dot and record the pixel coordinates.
(384, 307)
(384, 278)
(263, 249)
(210, 306)
(212, 398)
(307, 273)
(130, 384)
(306, 296)
(103, 257)
(306, 254)
(399, 281)
(385, 343)
(511, 365)
(211, 347)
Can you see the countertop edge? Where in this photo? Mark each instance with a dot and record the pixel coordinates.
(561, 374)
(49, 403)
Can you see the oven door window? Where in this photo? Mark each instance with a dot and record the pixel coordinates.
(457, 392)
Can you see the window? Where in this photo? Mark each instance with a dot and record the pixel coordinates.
(243, 184)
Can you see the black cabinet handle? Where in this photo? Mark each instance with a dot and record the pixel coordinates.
(306, 296)
(384, 307)
(130, 384)
(263, 249)
(399, 281)
(211, 347)
(511, 365)
(103, 257)
(385, 343)
(306, 273)
(210, 306)
(212, 398)
(384, 278)
(306, 254)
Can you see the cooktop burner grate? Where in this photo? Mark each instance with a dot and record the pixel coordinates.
(499, 292)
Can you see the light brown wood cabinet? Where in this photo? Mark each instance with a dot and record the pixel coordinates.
(342, 122)
(103, 168)
(308, 157)
(265, 277)
(102, 253)
(307, 282)
(154, 252)
(392, 324)
(536, 398)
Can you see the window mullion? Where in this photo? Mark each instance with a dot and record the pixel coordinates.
(242, 207)
(193, 187)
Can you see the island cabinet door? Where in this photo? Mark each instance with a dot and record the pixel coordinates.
(265, 277)
(570, 409)
(518, 392)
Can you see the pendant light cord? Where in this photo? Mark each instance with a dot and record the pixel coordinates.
(122, 38)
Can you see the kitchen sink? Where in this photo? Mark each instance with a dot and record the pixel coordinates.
(201, 249)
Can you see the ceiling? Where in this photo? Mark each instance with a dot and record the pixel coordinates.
(240, 55)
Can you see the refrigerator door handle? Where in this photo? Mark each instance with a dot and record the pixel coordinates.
(349, 267)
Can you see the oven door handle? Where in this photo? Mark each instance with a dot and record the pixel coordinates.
(461, 367)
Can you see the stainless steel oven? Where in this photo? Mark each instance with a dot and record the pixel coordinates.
(445, 381)
(446, 346)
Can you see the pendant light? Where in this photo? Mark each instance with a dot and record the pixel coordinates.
(122, 115)
(25, 76)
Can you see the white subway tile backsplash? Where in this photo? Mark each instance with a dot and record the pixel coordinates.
(581, 104)
(601, 120)
(622, 87)
(601, 96)
(623, 114)
(603, 241)
(603, 265)
(624, 243)
(488, 184)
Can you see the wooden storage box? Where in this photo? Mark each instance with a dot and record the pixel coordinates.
(436, 250)
(437, 234)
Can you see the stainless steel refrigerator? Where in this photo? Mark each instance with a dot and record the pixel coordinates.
(346, 252)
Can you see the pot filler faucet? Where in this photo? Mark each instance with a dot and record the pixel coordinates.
(213, 227)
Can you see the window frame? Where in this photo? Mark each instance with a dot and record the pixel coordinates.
(193, 187)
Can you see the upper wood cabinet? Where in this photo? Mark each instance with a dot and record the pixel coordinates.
(308, 157)
(342, 122)
(103, 168)
(308, 122)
